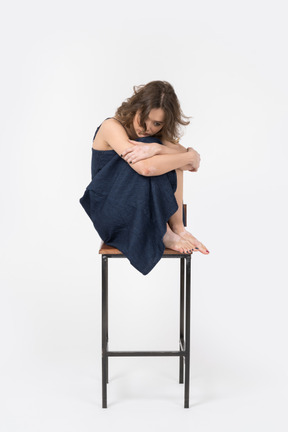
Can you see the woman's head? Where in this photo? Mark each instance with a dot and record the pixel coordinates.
(152, 124)
(153, 109)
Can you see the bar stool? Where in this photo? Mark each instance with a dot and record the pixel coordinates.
(109, 252)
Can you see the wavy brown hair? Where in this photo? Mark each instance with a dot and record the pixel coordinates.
(155, 94)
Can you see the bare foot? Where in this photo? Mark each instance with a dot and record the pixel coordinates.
(195, 244)
(175, 242)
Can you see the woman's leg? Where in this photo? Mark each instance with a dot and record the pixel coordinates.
(176, 220)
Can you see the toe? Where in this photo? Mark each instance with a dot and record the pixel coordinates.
(203, 249)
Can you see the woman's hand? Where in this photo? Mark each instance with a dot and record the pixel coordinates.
(195, 161)
(139, 151)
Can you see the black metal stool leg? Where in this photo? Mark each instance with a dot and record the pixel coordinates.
(104, 330)
(181, 338)
(107, 373)
(187, 332)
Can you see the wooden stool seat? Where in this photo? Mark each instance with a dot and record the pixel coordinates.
(110, 250)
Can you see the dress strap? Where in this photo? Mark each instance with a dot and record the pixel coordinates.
(118, 121)
(107, 119)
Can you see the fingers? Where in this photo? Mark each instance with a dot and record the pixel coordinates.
(128, 150)
(137, 153)
(132, 160)
(129, 156)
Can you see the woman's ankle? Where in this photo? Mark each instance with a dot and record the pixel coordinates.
(177, 228)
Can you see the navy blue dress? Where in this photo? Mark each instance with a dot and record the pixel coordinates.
(130, 211)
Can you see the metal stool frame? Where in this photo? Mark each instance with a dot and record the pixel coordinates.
(108, 252)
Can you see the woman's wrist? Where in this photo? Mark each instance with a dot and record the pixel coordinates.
(190, 155)
(157, 148)
(193, 157)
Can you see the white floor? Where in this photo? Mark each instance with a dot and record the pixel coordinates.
(50, 363)
(63, 394)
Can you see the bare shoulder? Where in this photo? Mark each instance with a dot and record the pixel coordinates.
(111, 124)
(107, 127)
(113, 129)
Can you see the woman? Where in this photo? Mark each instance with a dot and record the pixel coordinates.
(135, 197)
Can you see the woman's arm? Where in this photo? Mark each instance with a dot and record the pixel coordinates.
(116, 137)
(161, 164)
(170, 147)
(179, 148)
(139, 150)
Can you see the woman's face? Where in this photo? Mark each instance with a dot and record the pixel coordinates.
(153, 124)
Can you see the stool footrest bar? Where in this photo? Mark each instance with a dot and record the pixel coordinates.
(145, 353)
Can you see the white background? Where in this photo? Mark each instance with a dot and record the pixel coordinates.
(65, 67)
